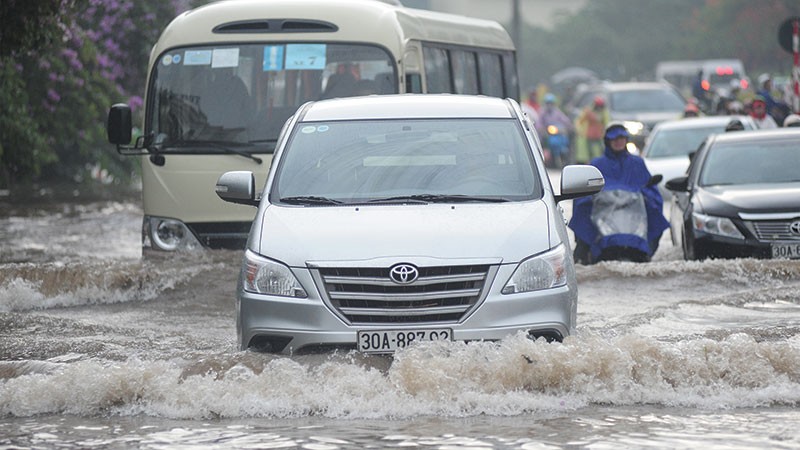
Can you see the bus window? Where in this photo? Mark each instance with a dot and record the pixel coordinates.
(244, 93)
(465, 72)
(491, 74)
(437, 70)
(511, 83)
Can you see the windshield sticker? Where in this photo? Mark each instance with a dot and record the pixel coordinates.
(308, 130)
(166, 60)
(322, 128)
(176, 59)
(197, 57)
(305, 56)
(225, 57)
(273, 58)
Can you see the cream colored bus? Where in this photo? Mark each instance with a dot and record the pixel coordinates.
(223, 78)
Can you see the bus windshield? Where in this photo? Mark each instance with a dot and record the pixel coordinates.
(211, 98)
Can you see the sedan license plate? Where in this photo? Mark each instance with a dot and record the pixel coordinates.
(389, 341)
(786, 251)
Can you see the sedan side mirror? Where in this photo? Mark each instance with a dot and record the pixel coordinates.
(237, 187)
(680, 184)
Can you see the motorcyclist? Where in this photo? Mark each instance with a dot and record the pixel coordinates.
(622, 171)
(558, 144)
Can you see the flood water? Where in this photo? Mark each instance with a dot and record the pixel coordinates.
(102, 349)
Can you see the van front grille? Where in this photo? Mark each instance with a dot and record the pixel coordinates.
(439, 294)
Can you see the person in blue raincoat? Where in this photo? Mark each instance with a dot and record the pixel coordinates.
(621, 170)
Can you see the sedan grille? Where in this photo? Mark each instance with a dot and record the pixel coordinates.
(369, 296)
(775, 230)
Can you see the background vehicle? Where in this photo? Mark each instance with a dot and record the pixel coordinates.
(666, 151)
(681, 74)
(640, 105)
(225, 77)
(388, 219)
(741, 197)
(718, 78)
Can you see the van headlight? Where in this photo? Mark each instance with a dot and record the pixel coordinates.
(544, 271)
(264, 276)
(161, 233)
(721, 226)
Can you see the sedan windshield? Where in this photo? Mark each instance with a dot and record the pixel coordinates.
(679, 142)
(750, 163)
(240, 96)
(646, 100)
(406, 161)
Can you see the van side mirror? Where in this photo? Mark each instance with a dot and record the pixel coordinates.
(237, 187)
(119, 124)
(580, 180)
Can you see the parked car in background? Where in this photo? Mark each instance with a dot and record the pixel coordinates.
(640, 105)
(741, 197)
(392, 219)
(668, 147)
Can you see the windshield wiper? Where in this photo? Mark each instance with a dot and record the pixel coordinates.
(310, 200)
(439, 198)
(228, 147)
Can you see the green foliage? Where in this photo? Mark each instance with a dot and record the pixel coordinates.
(58, 95)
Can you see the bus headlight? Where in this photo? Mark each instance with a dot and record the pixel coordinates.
(544, 271)
(166, 234)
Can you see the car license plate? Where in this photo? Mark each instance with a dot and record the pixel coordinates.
(389, 341)
(786, 251)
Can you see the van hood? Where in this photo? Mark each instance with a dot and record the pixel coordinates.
(503, 232)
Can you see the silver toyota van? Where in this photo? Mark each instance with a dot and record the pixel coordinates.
(387, 220)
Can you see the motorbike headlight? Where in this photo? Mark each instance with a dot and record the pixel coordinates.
(167, 234)
(721, 226)
(264, 276)
(544, 271)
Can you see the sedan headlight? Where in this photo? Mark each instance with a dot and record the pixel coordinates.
(544, 271)
(264, 276)
(633, 127)
(721, 226)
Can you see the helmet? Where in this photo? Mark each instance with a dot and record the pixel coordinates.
(615, 130)
(734, 125)
(792, 120)
(599, 101)
(691, 110)
(549, 98)
(763, 78)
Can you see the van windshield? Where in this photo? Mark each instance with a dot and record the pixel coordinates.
(207, 98)
(425, 160)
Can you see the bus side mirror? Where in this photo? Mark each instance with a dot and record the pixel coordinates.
(119, 124)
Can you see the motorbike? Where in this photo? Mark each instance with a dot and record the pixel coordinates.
(620, 217)
(556, 146)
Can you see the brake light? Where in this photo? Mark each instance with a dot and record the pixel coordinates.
(744, 84)
(724, 70)
(706, 85)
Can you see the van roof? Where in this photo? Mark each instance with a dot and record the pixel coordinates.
(408, 106)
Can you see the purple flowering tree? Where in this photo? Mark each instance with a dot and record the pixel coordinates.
(56, 89)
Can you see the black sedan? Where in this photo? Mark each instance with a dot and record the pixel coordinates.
(741, 197)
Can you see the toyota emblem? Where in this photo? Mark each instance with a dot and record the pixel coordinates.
(403, 273)
(794, 228)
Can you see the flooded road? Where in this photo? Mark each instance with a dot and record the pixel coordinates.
(100, 349)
